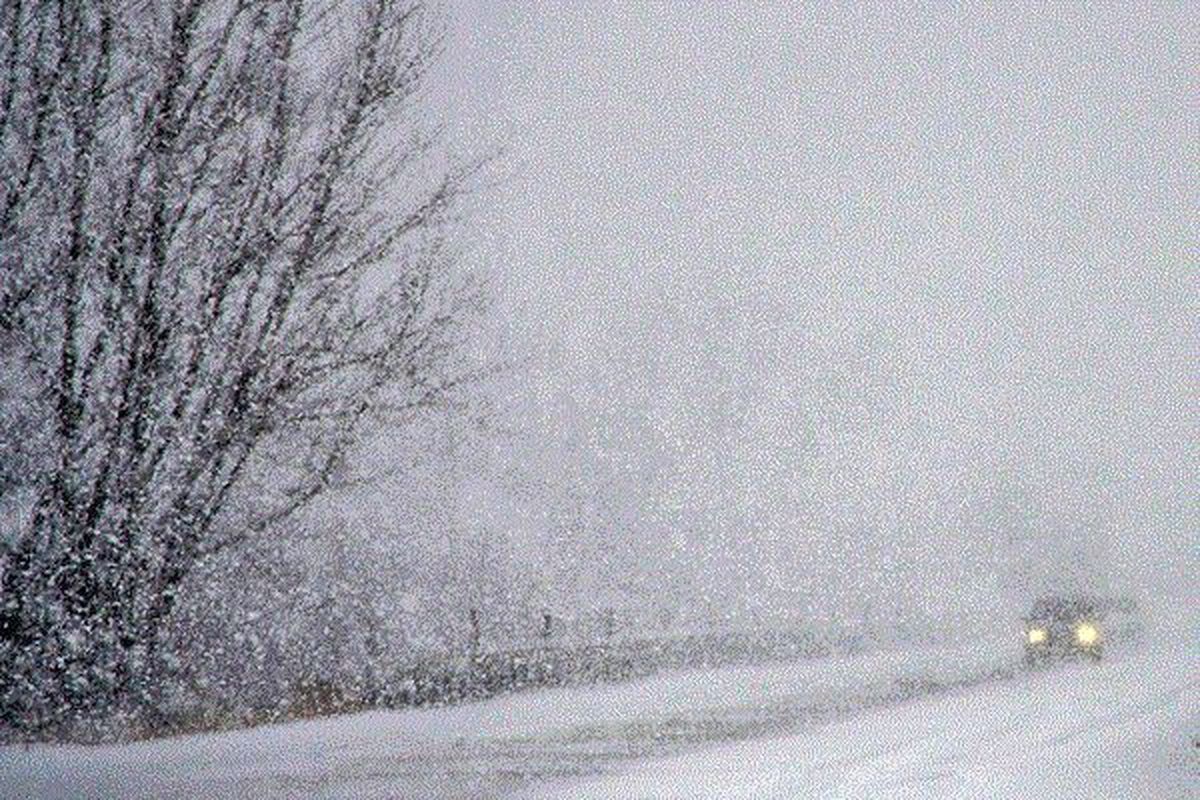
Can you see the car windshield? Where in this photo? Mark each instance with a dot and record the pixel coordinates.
(1059, 608)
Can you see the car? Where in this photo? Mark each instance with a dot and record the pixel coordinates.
(1064, 626)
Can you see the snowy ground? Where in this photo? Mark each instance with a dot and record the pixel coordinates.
(941, 722)
(1127, 729)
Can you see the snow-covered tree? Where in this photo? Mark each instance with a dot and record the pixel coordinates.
(224, 260)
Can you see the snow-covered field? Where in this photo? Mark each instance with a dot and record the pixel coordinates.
(953, 721)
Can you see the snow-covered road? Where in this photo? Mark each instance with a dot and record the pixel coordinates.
(942, 722)
(1127, 729)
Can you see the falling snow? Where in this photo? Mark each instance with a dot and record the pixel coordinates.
(466, 399)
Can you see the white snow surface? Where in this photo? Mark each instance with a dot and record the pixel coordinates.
(826, 728)
(1127, 729)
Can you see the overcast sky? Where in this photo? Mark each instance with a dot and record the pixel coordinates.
(813, 279)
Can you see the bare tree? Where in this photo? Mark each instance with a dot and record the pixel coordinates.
(223, 258)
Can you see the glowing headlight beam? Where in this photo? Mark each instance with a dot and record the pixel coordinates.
(1036, 635)
(1086, 633)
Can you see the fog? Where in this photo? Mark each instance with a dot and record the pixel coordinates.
(699, 399)
(832, 307)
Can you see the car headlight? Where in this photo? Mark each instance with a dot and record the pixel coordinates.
(1036, 635)
(1086, 633)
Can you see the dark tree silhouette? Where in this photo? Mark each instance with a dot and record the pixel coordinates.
(223, 259)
